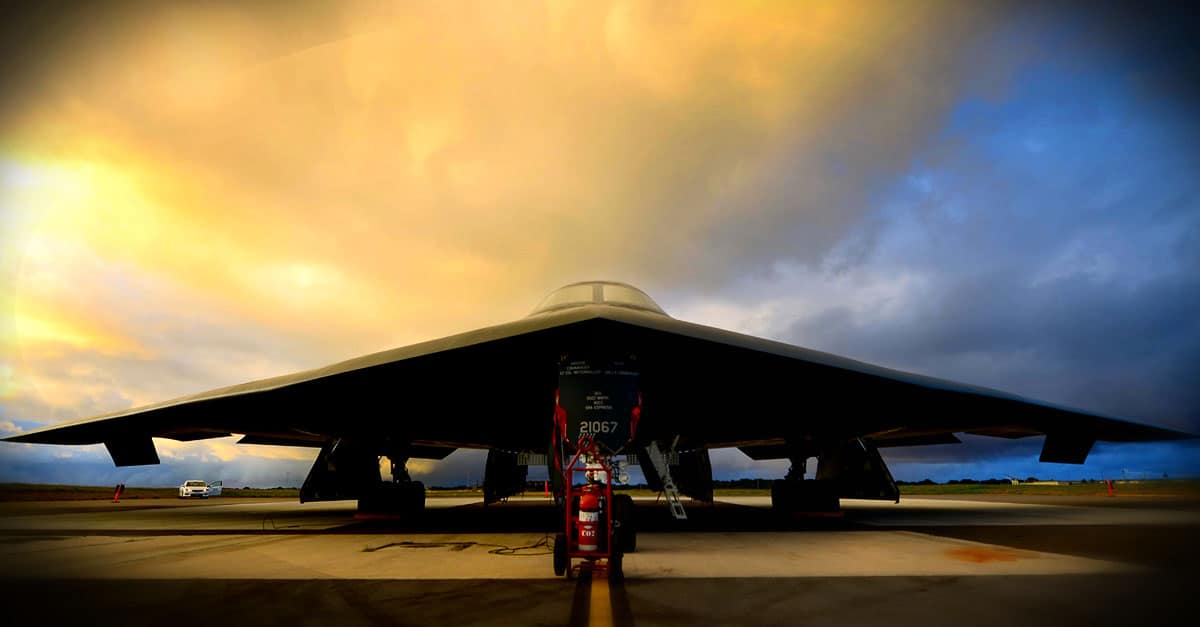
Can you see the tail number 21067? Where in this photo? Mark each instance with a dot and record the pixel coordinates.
(597, 426)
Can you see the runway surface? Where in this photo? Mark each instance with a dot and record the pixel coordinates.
(925, 561)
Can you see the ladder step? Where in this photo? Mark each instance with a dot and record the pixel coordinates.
(664, 472)
(674, 503)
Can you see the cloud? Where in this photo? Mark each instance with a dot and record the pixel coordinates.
(1077, 287)
(1043, 243)
(194, 196)
(499, 156)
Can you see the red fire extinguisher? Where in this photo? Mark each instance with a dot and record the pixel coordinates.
(589, 520)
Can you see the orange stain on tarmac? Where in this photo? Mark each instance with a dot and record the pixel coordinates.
(981, 555)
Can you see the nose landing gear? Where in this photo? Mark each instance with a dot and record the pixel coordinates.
(590, 535)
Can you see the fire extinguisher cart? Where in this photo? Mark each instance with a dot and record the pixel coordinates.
(588, 540)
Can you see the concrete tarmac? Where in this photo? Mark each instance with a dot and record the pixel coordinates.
(925, 561)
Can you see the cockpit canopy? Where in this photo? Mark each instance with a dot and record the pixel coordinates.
(598, 293)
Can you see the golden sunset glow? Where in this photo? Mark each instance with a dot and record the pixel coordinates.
(195, 196)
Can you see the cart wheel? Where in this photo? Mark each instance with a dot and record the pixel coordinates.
(626, 531)
(616, 570)
(561, 562)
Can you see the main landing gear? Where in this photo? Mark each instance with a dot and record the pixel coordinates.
(394, 499)
(789, 496)
(794, 494)
(400, 497)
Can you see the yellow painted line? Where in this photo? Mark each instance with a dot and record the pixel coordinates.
(599, 605)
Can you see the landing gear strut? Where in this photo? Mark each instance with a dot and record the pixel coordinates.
(400, 496)
(590, 533)
(794, 493)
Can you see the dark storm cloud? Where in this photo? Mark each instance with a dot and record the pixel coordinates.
(1129, 352)
(92, 466)
(1015, 184)
(1055, 254)
(1161, 37)
(1052, 232)
(1080, 74)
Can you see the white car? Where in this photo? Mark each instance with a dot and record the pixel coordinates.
(193, 488)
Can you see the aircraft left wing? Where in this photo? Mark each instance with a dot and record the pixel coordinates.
(493, 387)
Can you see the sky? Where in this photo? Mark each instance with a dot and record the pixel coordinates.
(202, 194)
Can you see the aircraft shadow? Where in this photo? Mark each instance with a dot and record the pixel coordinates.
(524, 516)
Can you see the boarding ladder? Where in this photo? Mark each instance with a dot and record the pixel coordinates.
(659, 459)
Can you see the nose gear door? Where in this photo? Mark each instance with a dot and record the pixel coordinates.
(600, 400)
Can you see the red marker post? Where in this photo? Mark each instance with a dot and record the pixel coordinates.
(117, 493)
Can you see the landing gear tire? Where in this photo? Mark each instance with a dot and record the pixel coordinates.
(616, 566)
(782, 495)
(404, 498)
(560, 555)
(804, 496)
(625, 527)
(415, 497)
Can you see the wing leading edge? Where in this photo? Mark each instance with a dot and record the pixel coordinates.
(493, 388)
